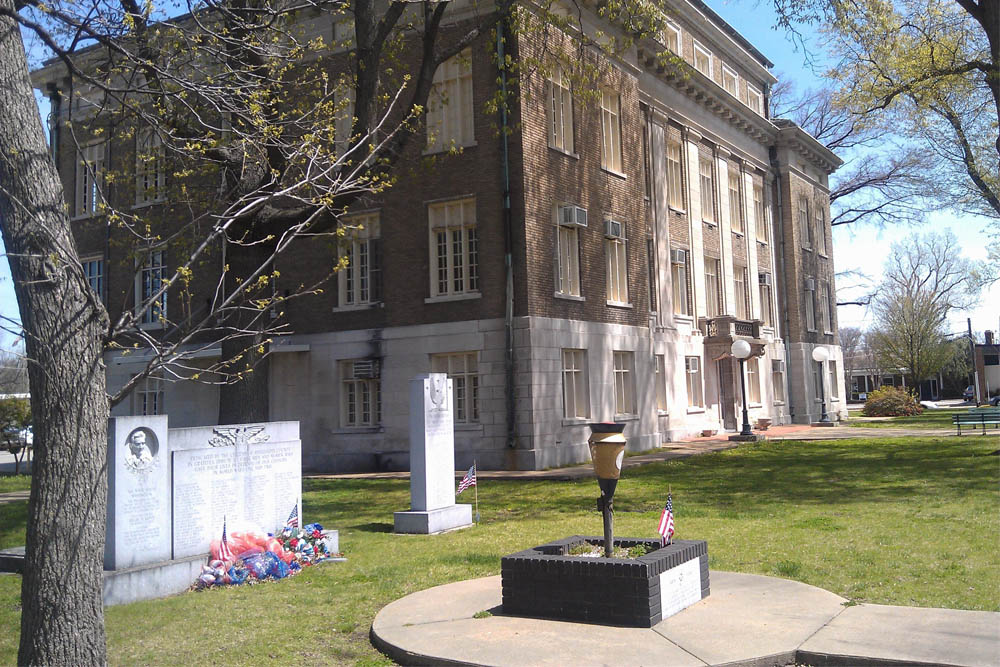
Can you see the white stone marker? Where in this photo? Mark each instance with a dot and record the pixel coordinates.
(138, 528)
(432, 460)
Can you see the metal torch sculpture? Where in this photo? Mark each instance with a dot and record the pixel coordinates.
(607, 449)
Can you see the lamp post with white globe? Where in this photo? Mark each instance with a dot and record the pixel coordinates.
(741, 350)
(820, 354)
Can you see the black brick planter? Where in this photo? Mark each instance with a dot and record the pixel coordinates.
(545, 582)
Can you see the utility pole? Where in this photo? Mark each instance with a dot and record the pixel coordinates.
(975, 369)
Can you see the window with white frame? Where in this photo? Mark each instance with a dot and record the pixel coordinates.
(93, 269)
(150, 167)
(759, 212)
(820, 230)
(778, 379)
(660, 377)
(149, 281)
(702, 60)
(360, 282)
(680, 278)
(753, 380)
(707, 182)
(344, 117)
(672, 37)
(569, 219)
(692, 370)
(675, 182)
(560, 112)
(449, 106)
(832, 373)
(809, 295)
(148, 396)
(454, 246)
(361, 393)
(735, 201)
(617, 266)
(713, 287)
(755, 100)
(90, 179)
(463, 369)
(624, 370)
(805, 228)
(766, 299)
(576, 388)
(730, 80)
(741, 292)
(826, 306)
(611, 131)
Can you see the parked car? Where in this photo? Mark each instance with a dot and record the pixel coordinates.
(969, 393)
(995, 401)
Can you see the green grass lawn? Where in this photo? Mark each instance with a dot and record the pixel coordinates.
(909, 521)
(10, 483)
(939, 418)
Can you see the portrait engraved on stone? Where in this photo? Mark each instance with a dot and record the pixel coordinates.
(140, 455)
(439, 391)
(238, 435)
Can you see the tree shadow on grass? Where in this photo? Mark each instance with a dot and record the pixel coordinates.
(374, 527)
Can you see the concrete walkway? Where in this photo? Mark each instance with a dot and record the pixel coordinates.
(747, 620)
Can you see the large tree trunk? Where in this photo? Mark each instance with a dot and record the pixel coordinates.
(62, 618)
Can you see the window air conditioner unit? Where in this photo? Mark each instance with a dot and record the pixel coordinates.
(573, 215)
(810, 284)
(778, 365)
(366, 369)
(765, 278)
(614, 229)
(678, 256)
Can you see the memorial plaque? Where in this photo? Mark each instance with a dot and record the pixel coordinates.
(138, 514)
(432, 443)
(680, 587)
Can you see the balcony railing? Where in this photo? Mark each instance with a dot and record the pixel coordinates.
(729, 328)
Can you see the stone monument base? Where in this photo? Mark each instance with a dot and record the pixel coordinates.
(150, 581)
(431, 522)
(753, 437)
(824, 424)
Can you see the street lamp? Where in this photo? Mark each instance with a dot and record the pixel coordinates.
(820, 354)
(741, 350)
(607, 449)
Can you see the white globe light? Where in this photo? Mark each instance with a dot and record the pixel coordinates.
(820, 354)
(740, 349)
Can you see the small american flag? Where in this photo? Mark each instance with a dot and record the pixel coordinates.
(225, 553)
(468, 480)
(666, 527)
(293, 518)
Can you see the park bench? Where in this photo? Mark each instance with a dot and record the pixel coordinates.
(977, 418)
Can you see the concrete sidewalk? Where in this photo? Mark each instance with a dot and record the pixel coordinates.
(748, 620)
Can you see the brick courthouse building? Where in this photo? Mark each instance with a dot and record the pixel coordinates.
(650, 228)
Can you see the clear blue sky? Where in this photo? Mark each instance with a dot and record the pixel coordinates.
(858, 249)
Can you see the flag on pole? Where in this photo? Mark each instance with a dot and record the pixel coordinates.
(468, 480)
(293, 518)
(225, 553)
(666, 527)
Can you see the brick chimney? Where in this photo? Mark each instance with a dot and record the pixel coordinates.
(989, 337)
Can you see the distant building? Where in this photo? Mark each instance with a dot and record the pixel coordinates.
(649, 231)
(987, 360)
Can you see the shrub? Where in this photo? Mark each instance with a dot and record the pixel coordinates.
(891, 402)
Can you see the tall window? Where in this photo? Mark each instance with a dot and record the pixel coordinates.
(672, 37)
(568, 221)
(463, 369)
(675, 184)
(755, 100)
(713, 291)
(150, 168)
(820, 230)
(759, 213)
(344, 117)
(703, 60)
(832, 373)
(805, 229)
(741, 292)
(148, 396)
(826, 306)
(90, 179)
(810, 298)
(730, 80)
(617, 266)
(449, 106)
(94, 270)
(611, 131)
(735, 201)
(692, 370)
(766, 299)
(454, 247)
(560, 112)
(151, 277)
(360, 282)
(361, 394)
(778, 379)
(660, 377)
(624, 383)
(753, 380)
(576, 390)
(680, 280)
(707, 182)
